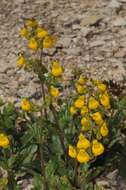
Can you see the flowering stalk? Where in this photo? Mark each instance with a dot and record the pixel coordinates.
(59, 130)
(42, 86)
(43, 167)
(41, 152)
(75, 179)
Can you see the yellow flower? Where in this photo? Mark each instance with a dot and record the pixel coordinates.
(73, 110)
(24, 32)
(102, 87)
(31, 22)
(104, 130)
(85, 121)
(26, 105)
(41, 32)
(97, 117)
(84, 110)
(80, 89)
(56, 70)
(72, 152)
(93, 103)
(97, 148)
(81, 80)
(54, 91)
(83, 156)
(33, 44)
(105, 100)
(49, 41)
(83, 142)
(79, 103)
(4, 141)
(21, 60)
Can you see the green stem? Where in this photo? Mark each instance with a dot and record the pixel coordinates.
(75, 179)
(42, 86)
(58, 129)
(40, 147)
(43, 173)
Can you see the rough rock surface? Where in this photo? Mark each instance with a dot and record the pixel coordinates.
(92, 36)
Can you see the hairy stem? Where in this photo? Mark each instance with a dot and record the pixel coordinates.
(59, 130)
(46, 187)
(40, 147)
(75, 179)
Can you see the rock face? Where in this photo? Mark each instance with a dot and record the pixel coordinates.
(92, 36)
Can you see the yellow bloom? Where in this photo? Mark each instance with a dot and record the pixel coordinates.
(24, 32)
(31, 22)
(21, 60)
(49, 41)
(33, 44)
(80, 89)
(81, 80)
(93, 103)
(97, 148)
(85, 121)
(83, 142)
(104, 130)
(105, 100)
(41, 32)
(84, 110)
(72, 152)
(97, 117)
(79, 103)
(26, 105)
(4, 141)
(102, 87)
(56, 70)
(54, 91)
(83, 156)
(73, 110)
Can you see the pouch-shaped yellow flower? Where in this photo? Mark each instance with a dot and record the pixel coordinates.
(102, 87)
(41, 32)
(79, 103)
(85, 121)
(49, 41)
(97, 117)
(21, 61)
(83, 142)
(54, 91)
(97, 148)
(26, 105)
(4, 141)
(105, 100)
(81, 80)
(104, 130)
(73, 110)
(72, 152)
(24, 32)
(84, 110)
(83, 156)
(33, 44)
(80, 88)
(31, 22)
(93, 103)
(57, 69)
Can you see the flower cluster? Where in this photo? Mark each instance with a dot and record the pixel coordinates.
(38, 38)
(91, 102)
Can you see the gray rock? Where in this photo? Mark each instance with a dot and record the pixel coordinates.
(119, 21)
(114, 4)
